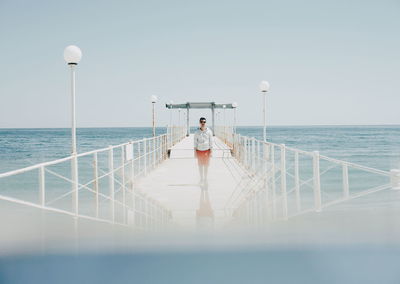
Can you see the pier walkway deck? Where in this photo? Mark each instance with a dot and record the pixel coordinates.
(175, 183)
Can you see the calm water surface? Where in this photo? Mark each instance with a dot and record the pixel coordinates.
(374, 146)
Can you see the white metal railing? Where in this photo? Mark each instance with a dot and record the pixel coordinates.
(285, 182)
(98, 185)
(175, 134)
(225, 133)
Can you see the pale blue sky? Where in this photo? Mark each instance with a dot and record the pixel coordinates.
(328, 62)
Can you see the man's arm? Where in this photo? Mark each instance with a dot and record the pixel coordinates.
(195, 142)
(211, 141)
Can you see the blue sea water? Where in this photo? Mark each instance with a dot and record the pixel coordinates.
(373, 146)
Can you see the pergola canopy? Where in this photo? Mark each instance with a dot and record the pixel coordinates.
(198, 105)
(209, 105)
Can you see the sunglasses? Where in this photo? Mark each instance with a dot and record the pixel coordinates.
(203, 121)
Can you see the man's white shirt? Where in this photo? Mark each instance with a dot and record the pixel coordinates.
(203, 140)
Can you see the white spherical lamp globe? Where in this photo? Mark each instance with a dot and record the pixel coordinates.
(154, 99)
(234, 105)
(72, 54)
(264, 86)
(224, 106)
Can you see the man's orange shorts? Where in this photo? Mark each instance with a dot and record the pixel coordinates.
(203, 157)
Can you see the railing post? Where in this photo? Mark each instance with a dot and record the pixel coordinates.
(153, 150)
(241, 148)
(395, 178)
(245, 152)
(266, 179)
(283, 181)
(96, 183)
(145, 155)
(264, 160)
(345, 175)
(236, 147)
(159, 150)
(156, 151)
(124, 210)
(258, 156)
(151, 153)
(273, 191)
(133, 182)
(297, 180)
(42, 187)
(75, 193)
(253, 154)
(139, 171)
(111, 182)
(317, 184)
(133, 165)
(166, 147)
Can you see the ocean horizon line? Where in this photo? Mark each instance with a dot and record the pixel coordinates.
(250, 126)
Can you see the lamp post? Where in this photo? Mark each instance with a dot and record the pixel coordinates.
(234, 105)
(153, 102)
(72, 55)
(264, 87)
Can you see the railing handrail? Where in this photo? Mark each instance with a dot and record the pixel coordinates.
(311, 153)
(149, 152)
(266, 162)
(54, 162)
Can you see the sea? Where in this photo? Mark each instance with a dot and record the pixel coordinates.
(376, 146)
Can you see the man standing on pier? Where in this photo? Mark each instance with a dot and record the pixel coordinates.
(203, 144)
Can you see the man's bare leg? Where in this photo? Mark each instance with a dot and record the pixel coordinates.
(205, 173)
(201, 171)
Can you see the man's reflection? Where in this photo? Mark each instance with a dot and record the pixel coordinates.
(205, 214)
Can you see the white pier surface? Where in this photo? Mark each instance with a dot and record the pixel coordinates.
(175, 183)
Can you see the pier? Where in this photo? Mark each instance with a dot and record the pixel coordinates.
(152, 184)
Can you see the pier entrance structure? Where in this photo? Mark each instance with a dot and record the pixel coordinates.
(199, 105)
